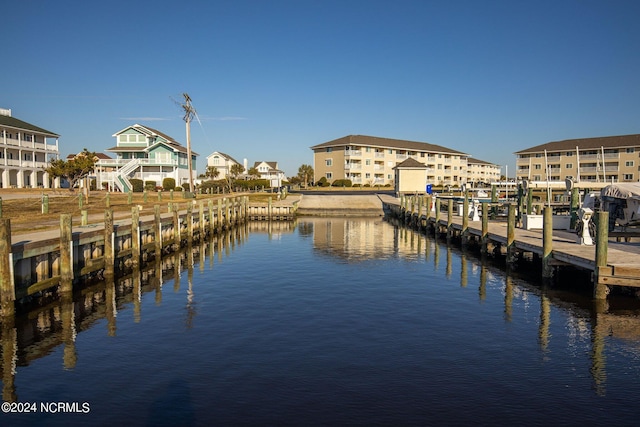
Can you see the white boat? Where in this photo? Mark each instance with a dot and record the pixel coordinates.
(622, 201)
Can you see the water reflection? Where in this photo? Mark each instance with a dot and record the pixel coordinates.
(57, 322)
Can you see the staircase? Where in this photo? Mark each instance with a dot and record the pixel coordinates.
(121, 179)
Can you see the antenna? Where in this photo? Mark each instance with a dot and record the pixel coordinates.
(189, 112)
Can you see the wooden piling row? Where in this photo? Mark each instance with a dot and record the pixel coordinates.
(507, 245)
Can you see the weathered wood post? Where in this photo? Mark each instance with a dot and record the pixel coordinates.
(511, 233)
(177, 239)
(129, 197)
(547, 242)
(144, 196)
(84, 218)
(159, 195)
(484, 237)
(109, 260)
(465, 218)
(201, 228)
(107, 200)
(66, 253)
(270, 210)
(212, 224)
(227, 213)
(80, 202)
(437, 218)
(449, 219)
(171, 194)
(189, 219)
(7, 286)
(600, 290)
(45, 204)
(219, 216)
(494, 200)
(135, 236)
(0, 207)
(529, 201)
(158, 231)
(520, 205)
(575, 205)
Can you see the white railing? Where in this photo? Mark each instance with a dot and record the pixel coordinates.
(352, 153)
(144, 162)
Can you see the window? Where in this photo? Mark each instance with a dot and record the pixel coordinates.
(367, 175)
(390, 151)
(631, 150)
(367, 162)
(569, 166)
(328, 175)
(537, 166)
(328, 162)
(629, 163)
(329, 149)
(628, 177)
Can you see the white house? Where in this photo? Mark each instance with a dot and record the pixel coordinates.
(25, 149)
(270, 171)
(222, 162)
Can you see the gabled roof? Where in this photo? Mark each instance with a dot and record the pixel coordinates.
(586, 144)
(272, 165)
(410, 163)
(100, 156)
(12, 122)
(226, 156)
(374, 141)
(168, 141)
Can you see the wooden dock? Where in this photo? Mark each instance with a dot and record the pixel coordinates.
(37, 262)
(612, 263)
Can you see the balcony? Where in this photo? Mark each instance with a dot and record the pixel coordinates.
(352, 166)
(352, 153)
(117, 163)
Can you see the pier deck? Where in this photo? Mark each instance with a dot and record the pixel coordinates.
(623, 258)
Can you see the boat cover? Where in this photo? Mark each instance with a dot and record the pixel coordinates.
(622, 190)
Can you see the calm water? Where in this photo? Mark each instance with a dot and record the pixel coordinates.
(328, 322)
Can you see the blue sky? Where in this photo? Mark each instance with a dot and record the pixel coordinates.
(270, 78)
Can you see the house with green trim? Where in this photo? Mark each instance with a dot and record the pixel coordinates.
(147, 154)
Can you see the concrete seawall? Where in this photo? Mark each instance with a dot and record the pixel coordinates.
(340, 205)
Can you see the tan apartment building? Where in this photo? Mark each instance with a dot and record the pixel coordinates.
(602, 159)
(371, 160)
(480, 172)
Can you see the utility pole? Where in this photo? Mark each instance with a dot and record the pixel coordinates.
(189, 112)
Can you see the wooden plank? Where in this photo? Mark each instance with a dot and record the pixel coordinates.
(626, 270)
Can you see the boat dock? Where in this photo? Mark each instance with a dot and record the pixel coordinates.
(611, 262)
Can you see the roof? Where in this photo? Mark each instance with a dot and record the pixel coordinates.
(473, 160)
(272, 165)
(375, 141)
(175, 145)
(410, 164)
(101, 156)
(586, 144)
(226, 156)
(12, 122)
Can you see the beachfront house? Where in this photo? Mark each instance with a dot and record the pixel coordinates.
(25, 149)
(370, 160)
(270, 172)
(147, 154)
(601, 159)
(222, 162)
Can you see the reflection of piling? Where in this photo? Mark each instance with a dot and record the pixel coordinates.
(9, 356)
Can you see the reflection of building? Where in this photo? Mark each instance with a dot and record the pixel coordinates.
(370, 160)
(25, 150)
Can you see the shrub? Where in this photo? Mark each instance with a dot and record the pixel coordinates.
(137, 184)
(185, 186)
(150, 185)
(168, 184)
(342, 183)
(322, 182)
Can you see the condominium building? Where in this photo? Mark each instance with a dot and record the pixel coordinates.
(25, 150)
(480, 172)
(369, 160)
(602, 159)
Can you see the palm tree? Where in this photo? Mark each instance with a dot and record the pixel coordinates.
(253, 172)
(212, 172)
(305, 172)
(236, 169)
